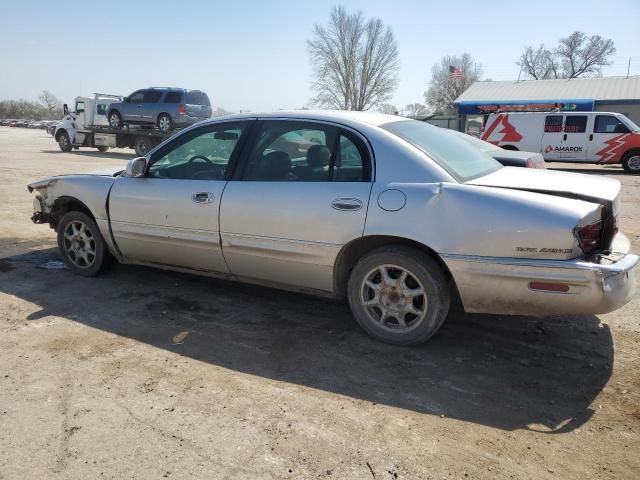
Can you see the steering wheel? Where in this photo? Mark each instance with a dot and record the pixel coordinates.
(217, 170)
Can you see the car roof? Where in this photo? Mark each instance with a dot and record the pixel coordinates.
(337, 116)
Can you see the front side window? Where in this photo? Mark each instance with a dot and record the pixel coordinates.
(136, 97)
(609, 124)
(575, 124)
(151, 96)
(460, 159)
(101, 109)
(203, 154)
(79, 107)
(553, 124)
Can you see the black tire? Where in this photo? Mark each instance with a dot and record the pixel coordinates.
(142, 145)
(631, 162)
(102, 148)
(64, 142)
(75, 248)
(165, 122)
(423, 273)
(115, 119)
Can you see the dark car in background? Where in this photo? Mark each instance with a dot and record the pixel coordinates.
(164, 107)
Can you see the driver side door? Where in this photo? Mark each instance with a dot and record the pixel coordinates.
(170, 216)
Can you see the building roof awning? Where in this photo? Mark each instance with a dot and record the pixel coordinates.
(559, 104)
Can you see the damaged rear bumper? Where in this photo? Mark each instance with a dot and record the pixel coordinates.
(503, 285)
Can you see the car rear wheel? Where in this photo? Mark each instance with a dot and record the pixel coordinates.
(165, 124)
(631, 162)
(142, 145)
(103, 149)
(115, 120)
(399, 295)
(64, 143)
(81, 244)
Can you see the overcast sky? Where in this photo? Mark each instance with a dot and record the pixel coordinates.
(250, 54)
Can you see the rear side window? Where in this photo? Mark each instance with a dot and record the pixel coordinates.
(172, 97)
(197, 98)
(553, 124)
(151, 96)
(350, 163)
(609, 124)
(575, 124)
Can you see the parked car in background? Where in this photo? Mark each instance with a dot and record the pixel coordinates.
(431, 219)
(165, 108)
(589, 137)
(508, 158)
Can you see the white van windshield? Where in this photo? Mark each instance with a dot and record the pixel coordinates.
(459, 158)
(629, 123)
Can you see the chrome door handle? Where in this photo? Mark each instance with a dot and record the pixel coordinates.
(346, 204)
(202, 197)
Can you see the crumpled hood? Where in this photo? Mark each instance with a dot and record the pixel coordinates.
(552, 182)
(103, 172)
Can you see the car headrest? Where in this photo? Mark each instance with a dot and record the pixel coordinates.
(276, 165)
(318, 156)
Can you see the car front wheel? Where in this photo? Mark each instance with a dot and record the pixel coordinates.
(399, 295)
(81, 244)
(64, 143)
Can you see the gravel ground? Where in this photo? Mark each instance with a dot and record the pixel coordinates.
(146, 374)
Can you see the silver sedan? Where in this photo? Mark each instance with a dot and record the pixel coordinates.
(394, 215)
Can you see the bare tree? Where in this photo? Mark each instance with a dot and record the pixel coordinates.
(49, 100)
(444, 90)
(355, 61)
(388, 109)
(539, 63)
(416, 110)
(220, 112)
(576, 55)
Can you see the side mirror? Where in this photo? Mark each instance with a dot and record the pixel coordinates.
(65, 109)
(136, 167)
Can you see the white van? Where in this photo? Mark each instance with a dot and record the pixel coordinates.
(595, 137)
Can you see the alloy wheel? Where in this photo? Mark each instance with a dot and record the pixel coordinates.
(394, 298)
(79, 244)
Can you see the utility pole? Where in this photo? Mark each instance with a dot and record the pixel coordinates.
(628, 67)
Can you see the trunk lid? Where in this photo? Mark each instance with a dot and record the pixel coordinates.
(590, 188)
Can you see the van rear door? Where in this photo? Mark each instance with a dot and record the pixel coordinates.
(197, 104)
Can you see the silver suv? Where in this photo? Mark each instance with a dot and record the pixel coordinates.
(166, 108)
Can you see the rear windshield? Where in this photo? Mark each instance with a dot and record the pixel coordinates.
(459, 158)
(197, 98)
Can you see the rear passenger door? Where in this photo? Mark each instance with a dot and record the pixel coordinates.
(301, 194)
(574, 139)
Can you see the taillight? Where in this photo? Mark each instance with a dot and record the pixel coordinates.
(533, 164)
(589, 237)
(182, 109)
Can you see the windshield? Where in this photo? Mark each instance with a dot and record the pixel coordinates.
(459, 158)
(630, 123)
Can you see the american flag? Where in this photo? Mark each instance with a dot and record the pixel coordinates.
(455, 72)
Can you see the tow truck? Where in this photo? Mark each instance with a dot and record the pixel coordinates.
(87, 126)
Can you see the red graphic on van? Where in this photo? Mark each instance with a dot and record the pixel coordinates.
(509, 133)
(548, 149)
(613, 150)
